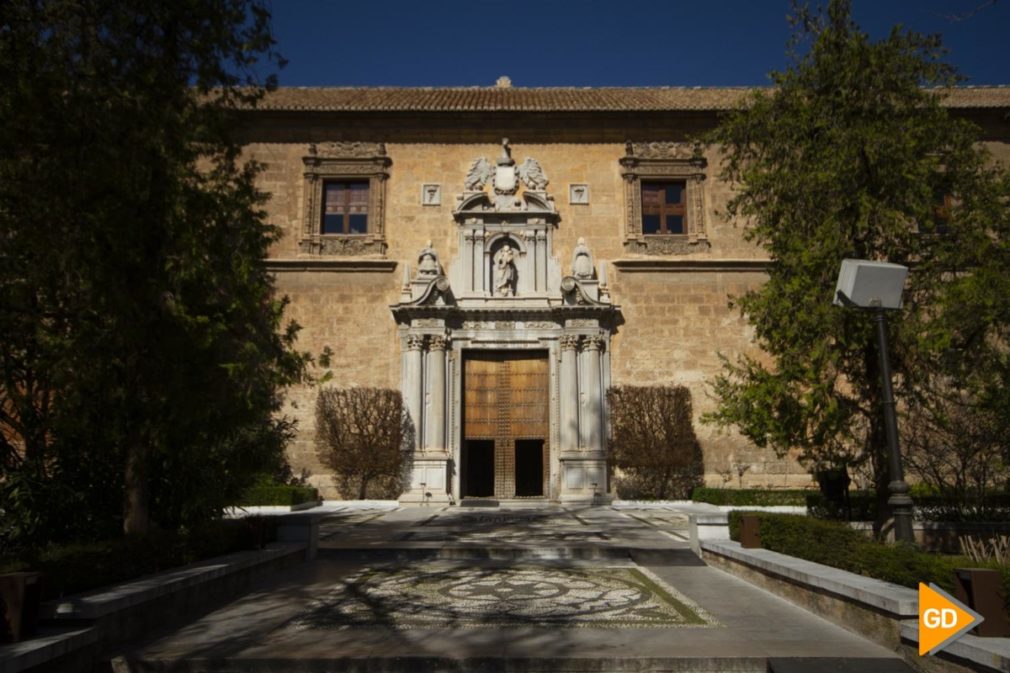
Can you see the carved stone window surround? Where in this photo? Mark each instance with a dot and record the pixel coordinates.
(645, 162)
(344, 161)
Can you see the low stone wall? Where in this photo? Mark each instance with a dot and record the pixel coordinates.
(78, 629)
(880, 611)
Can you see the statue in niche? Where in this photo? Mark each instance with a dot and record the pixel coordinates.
(582, 261)
(427, 261)
(505, 272)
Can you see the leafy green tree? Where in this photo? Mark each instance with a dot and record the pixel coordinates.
(852, 154)
(141, 345)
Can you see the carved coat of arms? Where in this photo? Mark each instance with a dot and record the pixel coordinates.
(505, 175)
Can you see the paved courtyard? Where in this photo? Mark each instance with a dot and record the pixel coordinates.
(514, 588)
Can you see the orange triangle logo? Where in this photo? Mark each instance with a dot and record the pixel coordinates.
(942, 619)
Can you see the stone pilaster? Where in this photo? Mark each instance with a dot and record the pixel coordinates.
(434, 439)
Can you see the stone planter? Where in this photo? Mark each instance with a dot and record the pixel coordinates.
(981, 589)
(750, 532)
(20, 595)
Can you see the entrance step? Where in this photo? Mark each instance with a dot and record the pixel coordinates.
(644, 557)
(837, 665)
(479, 502)
(451, 665)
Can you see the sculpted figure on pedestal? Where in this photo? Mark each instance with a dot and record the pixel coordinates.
(504, 272)
(582, 261)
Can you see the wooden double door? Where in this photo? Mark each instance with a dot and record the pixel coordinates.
(506, 421)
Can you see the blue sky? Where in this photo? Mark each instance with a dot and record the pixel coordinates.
(595, 42)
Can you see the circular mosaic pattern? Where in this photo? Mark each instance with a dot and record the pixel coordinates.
(430, 597)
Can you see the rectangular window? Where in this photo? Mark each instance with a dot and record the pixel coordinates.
(664, 207)
(345, 207)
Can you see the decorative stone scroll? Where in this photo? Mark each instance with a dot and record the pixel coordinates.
(663, 150)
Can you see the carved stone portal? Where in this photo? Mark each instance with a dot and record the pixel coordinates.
(504, 299)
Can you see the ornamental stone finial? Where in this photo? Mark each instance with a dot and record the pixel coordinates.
(582, 261)
(427, 262)
(506, 154)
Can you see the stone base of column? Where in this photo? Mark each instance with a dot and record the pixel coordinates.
(584, 480)
(428, 480)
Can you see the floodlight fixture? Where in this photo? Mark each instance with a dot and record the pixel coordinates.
(866, 284)
(878, 286)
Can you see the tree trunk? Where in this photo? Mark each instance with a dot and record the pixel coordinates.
(364, 488)
(136, 512)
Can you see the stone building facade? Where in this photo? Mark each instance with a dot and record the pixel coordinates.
(503, 256)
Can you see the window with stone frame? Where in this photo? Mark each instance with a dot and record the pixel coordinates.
(665, 198)
(664, 207)
(344, 195)
(345, 207)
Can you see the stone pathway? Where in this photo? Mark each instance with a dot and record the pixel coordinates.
(514, 588)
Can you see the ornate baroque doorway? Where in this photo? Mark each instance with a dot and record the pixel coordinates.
(506, 424)
(505, 358)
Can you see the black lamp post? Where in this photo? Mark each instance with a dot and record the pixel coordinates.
(877, 286)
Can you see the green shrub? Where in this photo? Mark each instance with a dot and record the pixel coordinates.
(74, 568)
(278, 495)
(862, 506)
(928, 507)
(835, 544)
(749, 497)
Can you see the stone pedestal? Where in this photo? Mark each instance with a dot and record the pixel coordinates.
(429, 480)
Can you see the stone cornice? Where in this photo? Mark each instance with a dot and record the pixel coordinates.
(690, 265)
(457, 314)
(279, 265)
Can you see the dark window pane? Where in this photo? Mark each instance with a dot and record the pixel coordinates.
(650, 224)
(675, 224)
(359, 194)
(359, 224)
(651, 199)
(333, 224)
(674, 192)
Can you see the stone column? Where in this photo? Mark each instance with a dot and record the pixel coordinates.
(470, 262)
(434, 434)
(569, 416)
(412, 384)
(542, 253)
(594, 394)
(481, 261)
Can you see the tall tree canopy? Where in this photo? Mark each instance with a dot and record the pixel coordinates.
(851, 154)
(141, 345)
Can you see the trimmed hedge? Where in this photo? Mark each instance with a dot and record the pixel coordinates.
(863, 507)
(749, 497)
(835, 544)
(278, 495)
(70, 569)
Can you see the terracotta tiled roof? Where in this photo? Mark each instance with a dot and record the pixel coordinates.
(555, 99)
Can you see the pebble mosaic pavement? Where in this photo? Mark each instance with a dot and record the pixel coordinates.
(429, 596)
